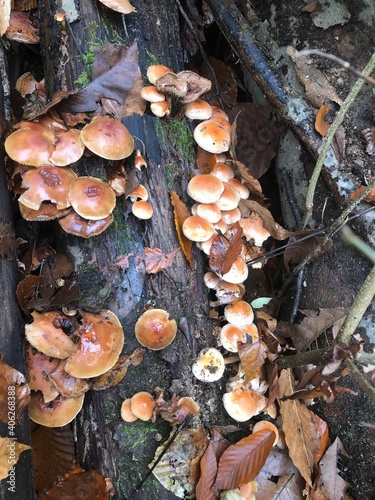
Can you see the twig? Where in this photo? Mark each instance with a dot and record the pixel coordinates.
(362, 381)
(360, 304)
(344, 64)
(328, 140)
(351, 238)
(297, 296)
(316, 357)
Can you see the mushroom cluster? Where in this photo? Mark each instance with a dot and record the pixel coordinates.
(64, 353)
(45, 147)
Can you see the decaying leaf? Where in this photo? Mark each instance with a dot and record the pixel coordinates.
(118, 372)
(313, 325)
(226, 79)
(370, 197)
(84, 485)
(156, 260)
(10, 451)
(302, 244)
(21, 28)
(205, 489)
(180, 213)
(306, 435)
(241, 462)
(330, 481)
(320, 124)
(14, 391)
(122, 6)
(369, 136)
(252, 358)
(225, 249)
(275, 230)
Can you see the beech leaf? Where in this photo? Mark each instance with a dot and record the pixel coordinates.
(331, 483)
(180, 213)
(225, 249)
(275, 230)
(114, 376)
(205, 487)
(241, 462)
(10, 452)
(156, 260)
(305, 433)
(252, 358)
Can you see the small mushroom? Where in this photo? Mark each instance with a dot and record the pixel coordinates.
(209, 211)
(74, 224)
(56, 413)
(160, 109)
(229, 198)
(198, 110)
(68, 148)
(151, 94)
(265, 424)
(170, 84)
(91, 198)
(142, 210)
(196, 85)
(238, 272)
(230, 335)
(212, 136)
(240, 313)
(29, 147)
(155, 71)
(242, 404)
(205, 188)
(253, 229)
(197, 229)
(209, 366)
(139, 193)
(155, 330)
(223, 171)
(142, 405)
(126, 413)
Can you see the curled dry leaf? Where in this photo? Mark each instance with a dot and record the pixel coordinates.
(330, 481)
(241, 462)
(13, 389)
(275, 230)
(252, 357)
(156, 260)
(114, 376)
(225, 249)
(10, 452)
(122, 6)
(181, 213)
(205, 489)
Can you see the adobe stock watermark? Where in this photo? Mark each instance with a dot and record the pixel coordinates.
(12, 440)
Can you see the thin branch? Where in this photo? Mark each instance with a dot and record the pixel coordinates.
(316, 357)
(363, 383)
(328, 140)
(352, 239)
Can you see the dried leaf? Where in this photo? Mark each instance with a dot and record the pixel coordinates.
(305, 433)
(225, 249)
(226, 79)
(299, 246)
(370, 197)
(122, 6)
(180, 213)
(10, 451)
(26, 290)
(369, 136)
(287, 487)
(84, 485)
(156, 260)
(331, 483)
(205, 489)
(273, 382)
(114, 376)
(241, 462)
(4, 15)
(252, 358)
(275, 230)
(116, 72)
(320, 124)
(14, 393)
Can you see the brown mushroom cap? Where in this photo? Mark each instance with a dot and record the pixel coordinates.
(198, 110)
(56, 413)
(46, 211)
(101, 342)
(107, 138)
(230, 335)
(229, 199)
(29, 147)
(212, 136)
(39, 365)
(47, 184)
(223, 171)
(68, 148)
(209, 211)
(45, 335)
(155, 71)
(139, 193)
(205, 188)
(73, 223)
(65, 384)
(142, 210)
(253, 229)
(197, 229)
(91, 198)
(126, 413)
(142, 405)
(160, 109)
(155, 330)
(151, 94)
(196, 85)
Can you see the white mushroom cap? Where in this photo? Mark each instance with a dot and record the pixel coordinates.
(209, 366)
(238, 272)
(198, 110)
(205, 188)
(151, 94)
(240, 313)
(211, 279)
(242, 404)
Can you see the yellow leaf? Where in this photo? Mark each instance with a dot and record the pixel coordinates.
(10, 451)
(180, 213)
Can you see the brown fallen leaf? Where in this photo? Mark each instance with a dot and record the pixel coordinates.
(275, 230)
(122, 6)
(300, 245)
(225, 249)
(320, 124)
(370, 197)
(156, 260)
(10, 452)
(242, 461)
(330, 481)
(252, 357)
(180, 213)
(205, 489)
(14, 393)
(226, 79)
(114, 376)
(84, 485)
(306, 435)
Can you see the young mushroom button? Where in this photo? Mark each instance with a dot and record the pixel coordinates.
(155, 330)
(209, 366)
(205, 188)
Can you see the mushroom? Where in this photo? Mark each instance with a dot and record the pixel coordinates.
(197, 229)
(46, 211)
(155, 330)
(205, 188)
(100, 345)
(231, 216)
(160, 109)
(142, 405)
(68, 148)
(91, 198)
(56, 413)
(209, 366)
(155, 71)
(151, 94)
(227, 293)
(74, 224)
(265, 424)
(198, 110)
(142, 210)
(46, 184)
(211, 279)
(238, 272)
(29, 147)
(229, 198)
(208, 211)
(46, 334)
(126, 413)
(170, 84)
(252, 331)
(196, 85)
(230, 335)
(223, 171)
(242, 404)
(107, 138)
(65, 384)
(240, 187)
(253, 229)
(212, 136)
(240, 313)
(39, 365)
(139, 193)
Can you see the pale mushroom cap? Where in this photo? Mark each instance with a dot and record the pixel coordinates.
(229, 198)
(223, 171)
(198, 110)
(139, 193)
(142, 210)
(219, 113)
(151, 94)
(227, 293)
(155, 71)
(251, 330)
(241, 188)
(205, 188)
(74, 224)
(238, 272)
(240, 404)
(212, 136)
(239, 314)
(211, 279)
(197, 229)
(142, 405)
(101, 342)
(253, 229)
(205, 246)
(155, 330)
(91, 198)
(29, 147)
(222, 226)
(65, 384)
(231, 216)
(230, 335)
(68, 148)
(126, 413)
(265, 424)
(107, 138)
(48, 338)
(209, 366)
(209, 211)
(160, 109)
(56, 413)
(47, 184)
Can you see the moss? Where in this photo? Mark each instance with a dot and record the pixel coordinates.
(151, 58)
(178, 134)
(112, 411)
(170, 170)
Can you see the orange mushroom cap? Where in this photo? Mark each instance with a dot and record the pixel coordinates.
(91, 198)
(126, 413)
(56, 413)
(142, 405)
(68, 148)
(205, 188)
(74, 224)
(212, 136)
(142, 210)
(155, 330)
(197, 229)
(29, 147)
